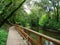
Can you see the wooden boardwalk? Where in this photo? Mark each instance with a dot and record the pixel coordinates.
(14, 38)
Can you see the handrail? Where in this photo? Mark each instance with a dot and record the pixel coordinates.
(40, 36)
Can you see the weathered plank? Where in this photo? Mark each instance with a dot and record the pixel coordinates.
(14, 38)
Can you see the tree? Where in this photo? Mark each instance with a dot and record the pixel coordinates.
(9, 12)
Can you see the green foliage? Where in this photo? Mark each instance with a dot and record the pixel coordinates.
(20, 17)
(7, 7)
(3, 37)
(43, 20)
(54, 25)
(40, 13)
(38, 16)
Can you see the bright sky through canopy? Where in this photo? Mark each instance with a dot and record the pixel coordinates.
(27, 8)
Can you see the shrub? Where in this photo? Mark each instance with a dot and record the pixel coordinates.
(3, 37)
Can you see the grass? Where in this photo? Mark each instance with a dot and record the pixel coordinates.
(3, 37)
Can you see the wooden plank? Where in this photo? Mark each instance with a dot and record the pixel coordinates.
(14, 38)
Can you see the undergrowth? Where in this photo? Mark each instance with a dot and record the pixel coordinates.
(3, 37)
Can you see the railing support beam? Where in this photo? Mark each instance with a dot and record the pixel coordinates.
(39, 40)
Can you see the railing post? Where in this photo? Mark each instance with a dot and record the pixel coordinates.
(39, 40)
(28, 33)
(56, 44)
(28, 37)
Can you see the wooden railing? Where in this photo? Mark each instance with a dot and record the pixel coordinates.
(25, 32)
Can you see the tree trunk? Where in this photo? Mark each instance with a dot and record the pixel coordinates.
(57, 12)
(11, 13)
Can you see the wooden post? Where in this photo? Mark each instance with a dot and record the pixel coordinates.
(28, 33)
(28, 37)
(56, 44)
(39, 40)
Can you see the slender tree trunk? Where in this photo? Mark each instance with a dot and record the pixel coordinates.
(57, 12)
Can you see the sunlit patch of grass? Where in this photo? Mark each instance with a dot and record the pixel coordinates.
(3, 37)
